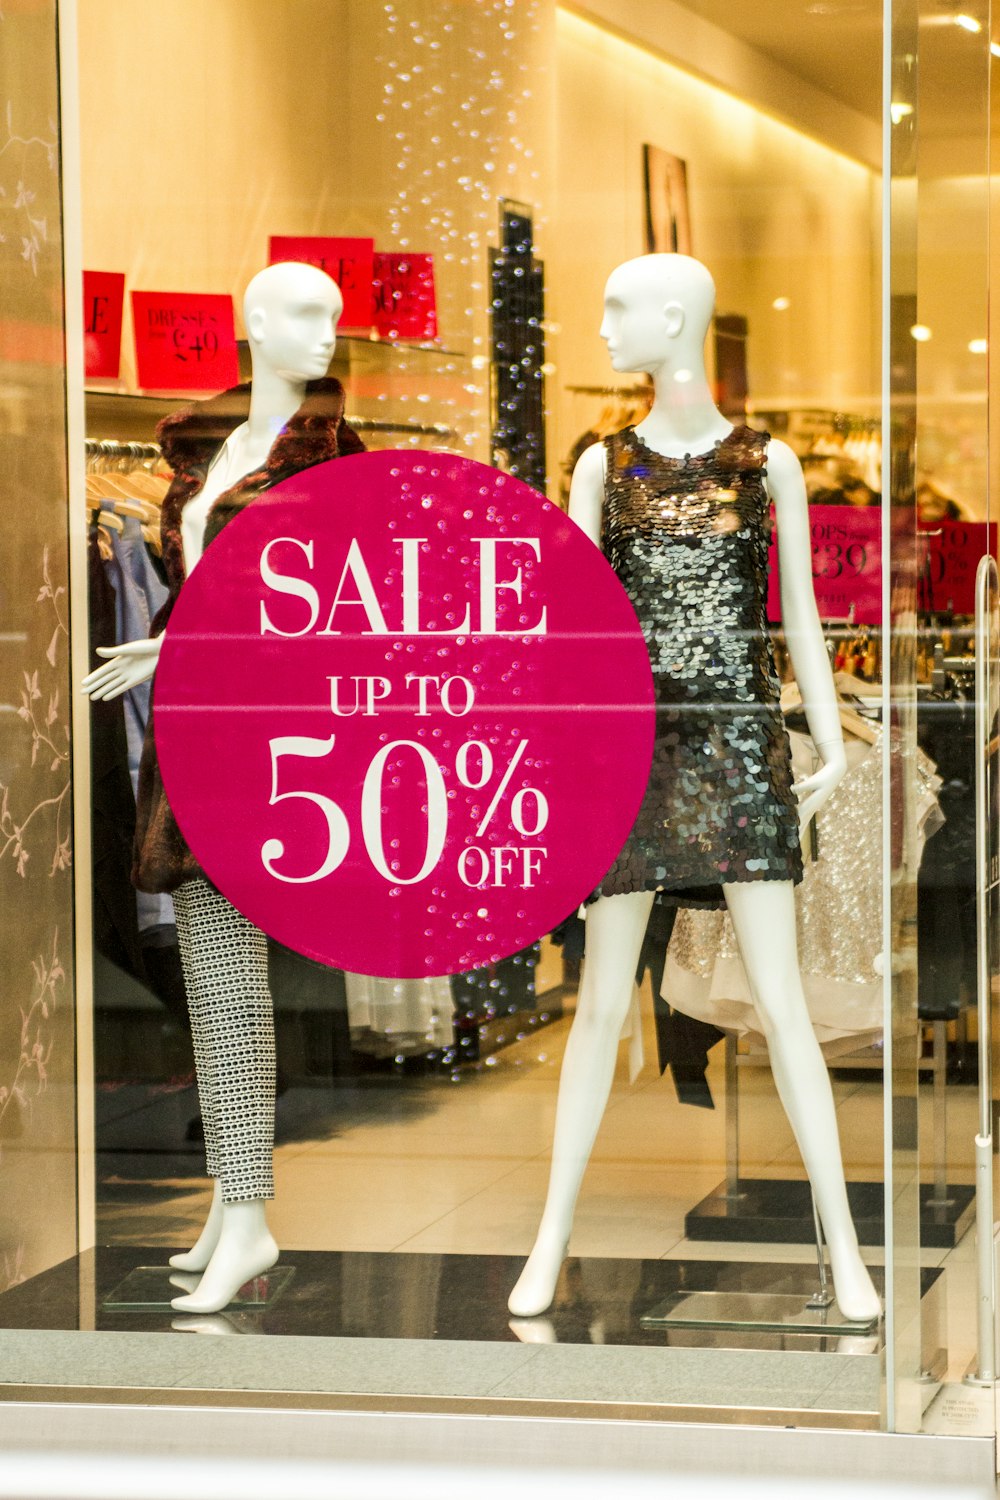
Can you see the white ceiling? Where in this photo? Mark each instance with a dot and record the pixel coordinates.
(836, 45)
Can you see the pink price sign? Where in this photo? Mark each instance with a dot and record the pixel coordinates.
(184, 341)
(948, 558)
(404, 713)
(846, 564)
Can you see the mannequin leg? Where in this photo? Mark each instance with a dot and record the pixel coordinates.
(763, 915)
(615, 929)
(225, 970)
(186, 905)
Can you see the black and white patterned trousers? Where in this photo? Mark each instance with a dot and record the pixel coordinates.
(224, 958)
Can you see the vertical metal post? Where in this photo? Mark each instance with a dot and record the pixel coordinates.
(940, 1197)
(986, 589)
(732, 1121)
(822, 1297)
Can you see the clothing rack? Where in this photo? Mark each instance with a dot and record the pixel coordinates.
(625, 391)
(124, 480)
(379, 424)
(831, 418)
(945, 1207)
(112, 449)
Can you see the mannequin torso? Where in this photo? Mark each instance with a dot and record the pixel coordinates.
(228, 466)
(688, 537)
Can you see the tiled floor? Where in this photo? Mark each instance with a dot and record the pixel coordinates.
(391, 1189)
(459, 1166)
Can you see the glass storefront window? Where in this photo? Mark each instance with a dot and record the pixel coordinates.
(537, 457)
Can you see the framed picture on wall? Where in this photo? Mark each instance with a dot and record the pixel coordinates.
(668, 217)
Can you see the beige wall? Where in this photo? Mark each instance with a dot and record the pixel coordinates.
(952, 292)
(206, 127)
(337, 116)
(193, 123)
(774, 214)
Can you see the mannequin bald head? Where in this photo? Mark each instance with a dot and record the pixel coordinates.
(657, 312)
(291, 311)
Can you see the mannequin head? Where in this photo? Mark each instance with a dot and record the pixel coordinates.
(657, 312)
(291, 312)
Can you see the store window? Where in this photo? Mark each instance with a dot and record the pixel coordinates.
(537, 458)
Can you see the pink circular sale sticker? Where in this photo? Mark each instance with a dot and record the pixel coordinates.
(404, 714)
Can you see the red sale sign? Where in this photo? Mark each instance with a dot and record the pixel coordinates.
(184, 341)
(347, 259)
(405, 300)
(846, 564)
(948, 558)
(103, 300)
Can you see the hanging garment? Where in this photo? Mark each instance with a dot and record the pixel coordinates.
(112, 798)
(139, 595)
(682, 1042)
(946, 886)
(418, 1008)
(689, 540)
(134, 931)
(190, 438)
(838, 912)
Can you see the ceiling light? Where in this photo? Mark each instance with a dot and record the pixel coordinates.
(781, 304)
(920, 332)
(978, 346)
(968, 23)
(995, 48)
(899, 111)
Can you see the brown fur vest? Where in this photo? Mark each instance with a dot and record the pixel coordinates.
(190, 438)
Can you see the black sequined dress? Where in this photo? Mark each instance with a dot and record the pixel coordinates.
(689, 540)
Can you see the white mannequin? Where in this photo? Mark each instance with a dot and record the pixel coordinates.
(290, 312)
(658, 309)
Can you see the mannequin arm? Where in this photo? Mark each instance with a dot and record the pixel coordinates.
(803, 631)
(126, 666)
(586, 492)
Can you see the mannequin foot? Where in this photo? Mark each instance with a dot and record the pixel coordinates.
(536, 1285)
(198, 1257)
(858, 1343)
(209, 1323)
(185, 1281)
(225, 1275)
(856, 1294)
(533, 1330)
(246, 1249)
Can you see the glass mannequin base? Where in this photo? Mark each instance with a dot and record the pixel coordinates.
(157, 1286)
(775, 1312)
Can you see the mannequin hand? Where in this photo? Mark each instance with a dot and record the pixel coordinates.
(816, 789)
(126, 667)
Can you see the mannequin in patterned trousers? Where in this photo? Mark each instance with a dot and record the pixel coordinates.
(291, 313)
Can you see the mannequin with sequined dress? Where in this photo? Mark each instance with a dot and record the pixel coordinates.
(680, 505)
